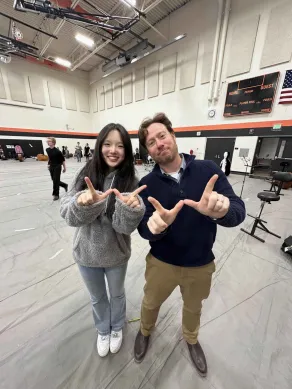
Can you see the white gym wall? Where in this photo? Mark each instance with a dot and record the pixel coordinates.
(174, 80)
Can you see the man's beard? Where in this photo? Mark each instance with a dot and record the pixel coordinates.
(168, 158)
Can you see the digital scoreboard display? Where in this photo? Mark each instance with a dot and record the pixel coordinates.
(251, 96)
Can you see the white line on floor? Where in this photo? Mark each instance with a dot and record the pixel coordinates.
(246, 199)
(25, 229)
(18, 194)
(57, 253)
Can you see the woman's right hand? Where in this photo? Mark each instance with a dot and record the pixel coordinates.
(91, 196)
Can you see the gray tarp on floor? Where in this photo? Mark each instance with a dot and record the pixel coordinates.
(47, 337)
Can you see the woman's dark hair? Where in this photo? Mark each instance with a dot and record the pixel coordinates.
(157, 118)
(97, 169)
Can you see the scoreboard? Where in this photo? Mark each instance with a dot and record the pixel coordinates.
(251, 96)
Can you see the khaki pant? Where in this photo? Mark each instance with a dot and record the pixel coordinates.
(161, 280)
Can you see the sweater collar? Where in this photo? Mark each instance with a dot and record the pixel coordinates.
(186, 161)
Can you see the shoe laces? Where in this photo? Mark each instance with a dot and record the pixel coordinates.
(115, 334)
(104, 338)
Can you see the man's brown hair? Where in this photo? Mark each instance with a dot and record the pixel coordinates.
(157, 118)
(52, 139)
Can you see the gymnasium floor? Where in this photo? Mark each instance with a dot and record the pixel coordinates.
(47, 337)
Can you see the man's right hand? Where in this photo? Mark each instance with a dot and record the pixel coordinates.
(91, 196)
(162, 218)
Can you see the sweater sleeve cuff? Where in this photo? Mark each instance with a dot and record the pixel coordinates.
(228, 220)
(121, 206)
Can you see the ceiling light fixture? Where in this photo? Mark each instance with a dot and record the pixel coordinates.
(84, 39)
(180, 37)
(63, 62)
(128, 2)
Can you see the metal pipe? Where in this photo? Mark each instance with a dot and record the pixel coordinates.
(57, 30)
(215, 51)
(28, 25)
(222, 49)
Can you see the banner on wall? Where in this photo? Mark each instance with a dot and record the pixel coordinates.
(286, 92)
(251, 96)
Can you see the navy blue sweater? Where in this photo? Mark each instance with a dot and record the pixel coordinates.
(189, 240)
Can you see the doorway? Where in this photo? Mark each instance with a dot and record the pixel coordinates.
(216, 147)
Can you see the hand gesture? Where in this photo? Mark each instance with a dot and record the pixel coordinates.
(91, 196)
(131, 200)
(162, 218)
(212, 204)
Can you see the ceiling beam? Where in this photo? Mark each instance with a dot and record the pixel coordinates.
(84, 59)
(57, 29)
(154, 28)
(28, 25)
(89, 55)
(151, 6)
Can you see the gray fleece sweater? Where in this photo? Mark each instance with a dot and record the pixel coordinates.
(99, 241)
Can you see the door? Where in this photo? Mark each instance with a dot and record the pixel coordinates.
(287, 152)
(216, 148)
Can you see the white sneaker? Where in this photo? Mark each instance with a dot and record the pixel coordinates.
(103, 345)
(116, 341)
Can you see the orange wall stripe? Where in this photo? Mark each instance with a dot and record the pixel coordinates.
(214, 127)
(51, 132)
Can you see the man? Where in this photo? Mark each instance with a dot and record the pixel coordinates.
(78, 151)
(56, 160)
(189, 198)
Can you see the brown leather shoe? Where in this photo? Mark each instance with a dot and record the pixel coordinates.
(141, 347)
(198, 358)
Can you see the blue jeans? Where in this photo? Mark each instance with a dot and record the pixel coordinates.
(108, 316)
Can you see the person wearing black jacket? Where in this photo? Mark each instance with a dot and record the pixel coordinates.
(87, 152)
(55, 163)
(185, 200)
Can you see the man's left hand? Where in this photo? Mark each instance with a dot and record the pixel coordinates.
(212, 204)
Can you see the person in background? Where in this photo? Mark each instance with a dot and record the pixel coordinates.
(67, 154)
(87, 152)
(191, 152)
(78, 152)
(19, 153)
(189, 198)
(136, 155)
(55, 163)
(104, 207)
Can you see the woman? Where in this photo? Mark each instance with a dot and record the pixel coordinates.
(87, 152)
(100, 204)
(78, 152)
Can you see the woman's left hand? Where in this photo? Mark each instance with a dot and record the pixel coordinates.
(132, 199)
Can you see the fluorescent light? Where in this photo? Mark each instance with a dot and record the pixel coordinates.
(134, 60)
(179, 37)
(132, 2)
(63, 62)
(84, 39)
